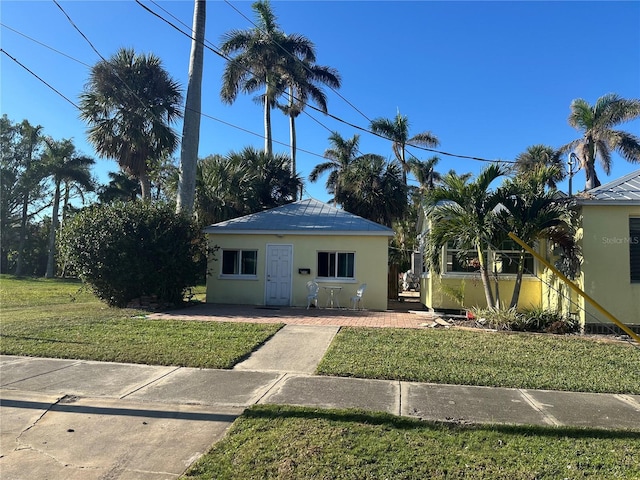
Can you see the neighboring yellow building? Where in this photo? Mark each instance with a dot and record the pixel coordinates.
(267, 258)
(610, 271)
(610, 243)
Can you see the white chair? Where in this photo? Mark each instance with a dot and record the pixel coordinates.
(312, 296)
(356, 300)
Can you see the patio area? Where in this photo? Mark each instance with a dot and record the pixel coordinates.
(404, 313)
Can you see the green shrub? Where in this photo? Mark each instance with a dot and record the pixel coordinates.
(542, 320)
(126, 251)
(498, 318)
(531, 320)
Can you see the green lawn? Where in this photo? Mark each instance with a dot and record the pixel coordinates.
(60, 319)
(56, 318)
(537, 361)
(291, 443)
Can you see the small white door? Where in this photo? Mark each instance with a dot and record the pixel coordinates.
(279, 272)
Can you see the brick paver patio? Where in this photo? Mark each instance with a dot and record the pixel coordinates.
(404, 318)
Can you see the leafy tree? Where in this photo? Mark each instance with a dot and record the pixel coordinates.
(372, 188)
(31, 140)
(191, 126)
(533, 212)
(599, 138)
(126, 250)
(130, 103)
(539, 157)
(341, 154)
(397, 130)
(464, 213)
(21, 196)
(63, 164)
(259, 61)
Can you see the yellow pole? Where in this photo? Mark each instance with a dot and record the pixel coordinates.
(575, 288)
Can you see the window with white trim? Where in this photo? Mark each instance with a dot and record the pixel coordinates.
(461, 261)
(239, 262)
(336, 265)
(503, 261)
(507, 258)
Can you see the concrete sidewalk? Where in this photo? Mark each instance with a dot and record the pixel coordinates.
(71, 419)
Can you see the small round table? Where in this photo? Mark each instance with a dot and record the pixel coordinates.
(332, 299)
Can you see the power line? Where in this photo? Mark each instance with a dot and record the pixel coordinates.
(468, 157)
(44, 45)
(226, 58)
(37, 76)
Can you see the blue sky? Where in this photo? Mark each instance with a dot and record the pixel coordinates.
(488, 79)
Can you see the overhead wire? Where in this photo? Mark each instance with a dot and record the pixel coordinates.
(217, 52)
(37, 76)
(334, 117)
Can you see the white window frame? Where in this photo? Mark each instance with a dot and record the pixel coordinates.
(491, 259)
(337, 253)
(239, 262)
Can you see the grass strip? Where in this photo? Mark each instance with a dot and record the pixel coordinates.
(484, 358)
(290, 443)
(59, 319)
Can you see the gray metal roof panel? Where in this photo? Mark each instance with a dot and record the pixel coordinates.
(305, 216)
(624, 189)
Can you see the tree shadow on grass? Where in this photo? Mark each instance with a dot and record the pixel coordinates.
(405, 423)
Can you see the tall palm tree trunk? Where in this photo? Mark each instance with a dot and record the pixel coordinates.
(145, 185)
(518, 285)
(191, 126)
(23, 234)
(51, 259)
(268, 143)
(484, 275)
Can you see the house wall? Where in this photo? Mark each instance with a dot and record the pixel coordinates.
(605, 268)
(432, 291)
(371, 254)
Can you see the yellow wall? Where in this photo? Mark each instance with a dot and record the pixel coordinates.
(605, 268)
(370, 268)
(433, 296)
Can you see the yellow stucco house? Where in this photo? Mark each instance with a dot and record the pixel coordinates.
(609, 237)
(267, 258)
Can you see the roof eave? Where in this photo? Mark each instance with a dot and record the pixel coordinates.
(343, 233)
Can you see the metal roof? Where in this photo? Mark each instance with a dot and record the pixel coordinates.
(625, 190)
(305, 217)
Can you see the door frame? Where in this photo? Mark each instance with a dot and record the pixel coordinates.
(266, 272)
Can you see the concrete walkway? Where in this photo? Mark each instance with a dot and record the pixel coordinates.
(70, 419)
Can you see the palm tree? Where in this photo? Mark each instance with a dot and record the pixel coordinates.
(302, 85)
(397, 130)
(425, 172)
(63, 165)
(463, 213)
(259, 61)
(372, 188)
(533, 212)
(538, 157)
(130, 103)
(269, 182)
(32, 139)
(340, 155)
(121, 187)
(191, 125)
(599, 138)
(241, 183)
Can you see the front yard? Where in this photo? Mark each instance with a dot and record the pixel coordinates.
(59, 319)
